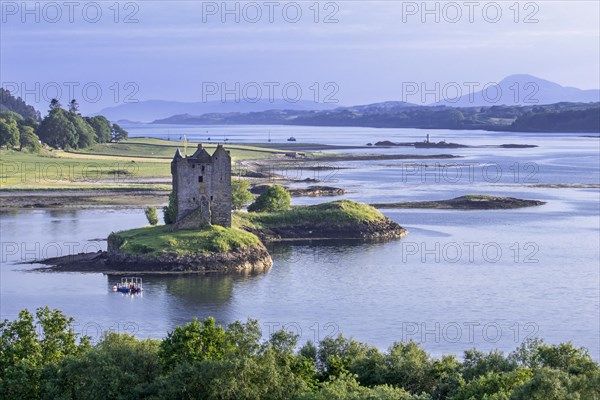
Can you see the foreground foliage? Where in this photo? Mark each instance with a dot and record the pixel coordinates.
(203, 360)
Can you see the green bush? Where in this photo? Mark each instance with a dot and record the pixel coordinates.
(151, 215)
(240, 193)
(170, 211)
(275, 198)
(28, 347)
(204, 360)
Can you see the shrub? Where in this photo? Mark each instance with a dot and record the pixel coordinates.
(151, 215)
(240, 193)
(276, 198)
(170, 211)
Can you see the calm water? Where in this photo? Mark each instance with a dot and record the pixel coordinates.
(485, 279)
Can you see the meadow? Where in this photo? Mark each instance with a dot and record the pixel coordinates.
(138, 163)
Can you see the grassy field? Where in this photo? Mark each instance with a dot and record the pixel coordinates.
(131, 164)
(156, 240)
(336, 213)
(165, 149)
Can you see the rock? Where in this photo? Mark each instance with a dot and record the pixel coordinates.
(260, 189)
(381, 230)
(314, 191)
(385, 143)
(468, 202)
(244, 260)
(248, 260)
(310, 191)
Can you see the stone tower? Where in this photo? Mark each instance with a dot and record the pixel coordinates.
(202, 184)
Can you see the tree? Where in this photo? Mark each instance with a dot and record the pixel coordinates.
(8, 102)
(9, 132)
(170, 211)
(275, 198)
(54, 104)
(12, 115)
(57, 130)
(240, 193)
(102, 128)
(477, 363)
(62, 129)
(24, 352)
(85, 133)
(118, 133)
(118, 367)
(28, 139)
(74, 107)
(151, 215)
(194, 341)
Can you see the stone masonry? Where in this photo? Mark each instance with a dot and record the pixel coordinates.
(202, 184)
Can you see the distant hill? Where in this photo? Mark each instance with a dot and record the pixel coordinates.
(560, 121)
(523, 90)
(150, 110)
(388, 106)
(8, 102)
(269, 116)
(559, 117)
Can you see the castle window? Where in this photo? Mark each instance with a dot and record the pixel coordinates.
(203, 168)
(211, 198)
(200, 178)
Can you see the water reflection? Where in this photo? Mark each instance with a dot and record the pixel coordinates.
(198, 289)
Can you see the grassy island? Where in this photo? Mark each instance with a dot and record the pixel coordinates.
(467, 202)
(159, 249)
(157, 240)
(342, 219)
(337, 213)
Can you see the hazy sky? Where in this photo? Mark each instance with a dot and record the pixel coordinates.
(354, 52)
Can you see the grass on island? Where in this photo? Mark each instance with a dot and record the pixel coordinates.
(335, 213)
(157, 240)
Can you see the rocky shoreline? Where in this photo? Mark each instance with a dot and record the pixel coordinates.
(309, 191)
(250, 260)
(469, 202)
(379, 230)
(247, 260)
(82, 198)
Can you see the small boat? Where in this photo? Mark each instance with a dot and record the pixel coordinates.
(291, 139)
(130, 284)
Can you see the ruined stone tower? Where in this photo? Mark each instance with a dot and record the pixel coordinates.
(202, 184)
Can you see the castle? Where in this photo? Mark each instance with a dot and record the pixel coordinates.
(202, 185)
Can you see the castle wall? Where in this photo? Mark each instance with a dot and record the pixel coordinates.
(221, 188)
(190, 192)
(211, 194)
